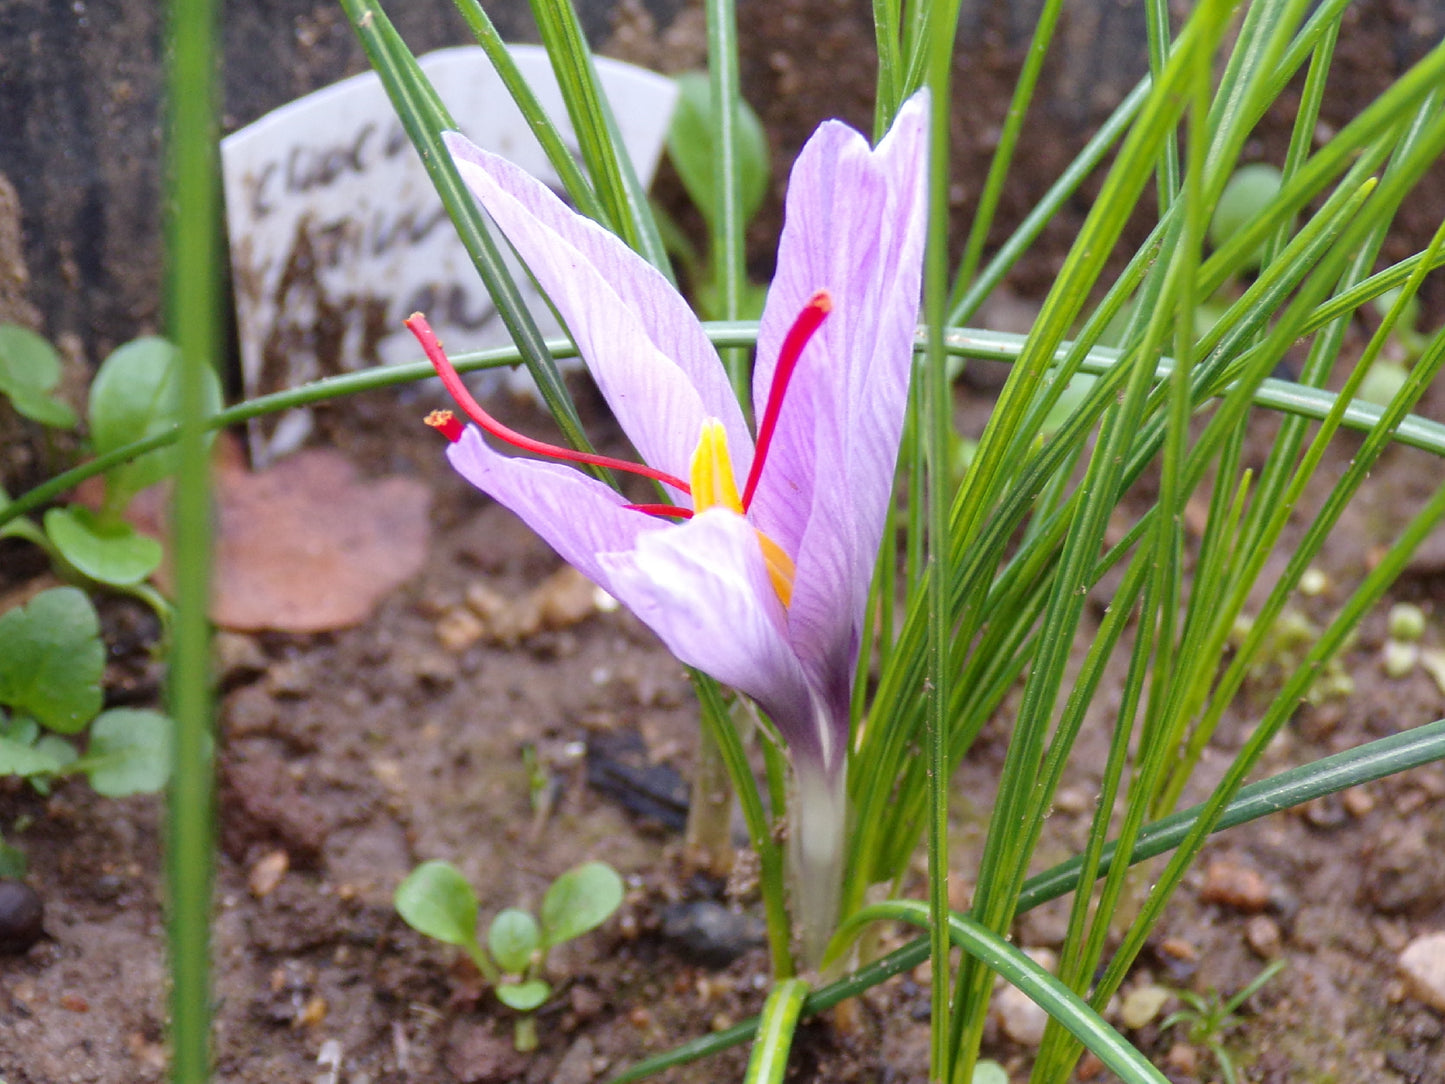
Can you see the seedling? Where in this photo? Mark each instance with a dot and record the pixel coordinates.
(133, 396)
(435, 899)
(1206, 1018)
(51, 662)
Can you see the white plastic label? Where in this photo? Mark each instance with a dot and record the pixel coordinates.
(337, 235)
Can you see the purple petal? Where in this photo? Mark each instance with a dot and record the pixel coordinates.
(703, 588)
(643, 345)
(575, 514)
(855, 227)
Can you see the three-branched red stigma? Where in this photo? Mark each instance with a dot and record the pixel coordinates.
(712, 481)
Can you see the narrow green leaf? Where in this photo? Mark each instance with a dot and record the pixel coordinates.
(776, 1027)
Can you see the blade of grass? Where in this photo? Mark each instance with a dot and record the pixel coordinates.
(727, 243)
(193, 261)
(611, 169)
(579, 188)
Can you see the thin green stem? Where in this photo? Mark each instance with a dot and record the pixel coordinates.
(193, 315)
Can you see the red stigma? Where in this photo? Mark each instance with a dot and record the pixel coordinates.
(798, 336)
(417, 324)
(669, 511)
(446, 423)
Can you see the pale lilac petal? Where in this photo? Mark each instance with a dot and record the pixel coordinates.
(645, 348)
(575, 514)
(855, 227)
(703, 588)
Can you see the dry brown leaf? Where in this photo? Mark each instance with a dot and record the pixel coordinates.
(305, 547)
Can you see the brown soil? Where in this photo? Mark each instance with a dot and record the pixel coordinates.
(360, 753)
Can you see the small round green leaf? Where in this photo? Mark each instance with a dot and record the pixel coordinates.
(51, 659)
(20, 758)
(29, 371)
(135, 394)
(524, 996)
(1248, 192)
(110, 552)
(129, 752)
(512, 939)
(580, 900)
(436, 900)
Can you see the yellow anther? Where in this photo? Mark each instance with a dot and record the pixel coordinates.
(713, 484)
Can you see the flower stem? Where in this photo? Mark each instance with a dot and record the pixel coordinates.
(708, 843)
(819, 817)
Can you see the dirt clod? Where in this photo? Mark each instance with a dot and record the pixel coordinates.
(1232, 883)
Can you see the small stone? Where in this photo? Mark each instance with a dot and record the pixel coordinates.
(1236, 885)
(1182, 1059)
(1406, 622)
(1142, 1004)
(576, 1065)
(1398, 658)
(586, 1002)
(1423, 966)
(1432, 661)
(266, 874)
(1326, 812)
(1019, 1018)
(1313, 583)
(1262, 935)
(565, 598)
(711, 933)
(1357, 801)
(311, 1013)
(1089, 1067)
(459, 629)
(237, 656)
(22, 917)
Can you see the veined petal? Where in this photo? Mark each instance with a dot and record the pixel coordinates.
(578, 516)
(658, 371)
(854, 226)
(704, 589)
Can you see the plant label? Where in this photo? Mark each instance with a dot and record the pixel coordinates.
(337, 235)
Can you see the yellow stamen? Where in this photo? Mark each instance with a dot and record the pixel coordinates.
(714, 485)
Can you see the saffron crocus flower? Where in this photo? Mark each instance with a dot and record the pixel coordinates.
(758, 574)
